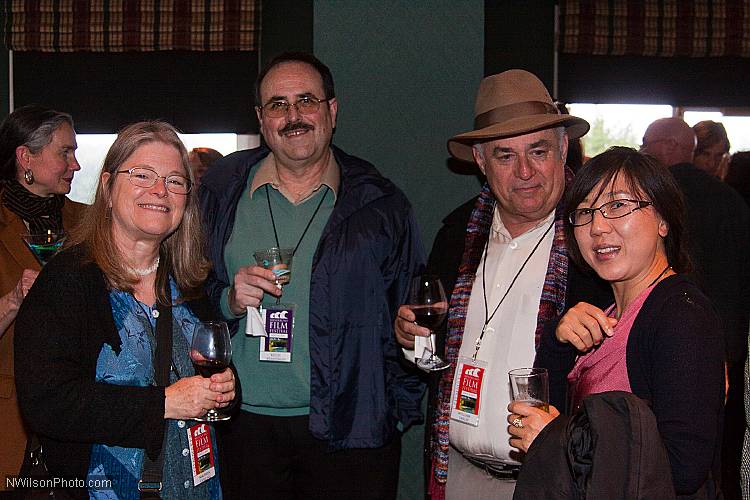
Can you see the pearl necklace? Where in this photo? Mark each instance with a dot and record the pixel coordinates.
(145, 272)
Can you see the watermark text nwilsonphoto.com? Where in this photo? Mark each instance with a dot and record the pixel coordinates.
(23, 483)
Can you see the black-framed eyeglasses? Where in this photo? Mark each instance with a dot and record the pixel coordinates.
(146, 178)
(610, 210)
(305, 105)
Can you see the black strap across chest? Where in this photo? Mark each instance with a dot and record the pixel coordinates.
(150, 484)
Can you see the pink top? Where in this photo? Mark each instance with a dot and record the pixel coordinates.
(604, 368)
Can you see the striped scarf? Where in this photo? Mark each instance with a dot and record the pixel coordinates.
(40, 213)
(551, 306)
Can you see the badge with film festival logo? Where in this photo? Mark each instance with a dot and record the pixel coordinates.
(467, 391)
(279, 321)
(201, 453)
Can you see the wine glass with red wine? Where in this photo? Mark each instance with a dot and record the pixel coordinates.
(211, 352)
(428, 303)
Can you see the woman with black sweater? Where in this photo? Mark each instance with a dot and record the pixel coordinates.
(660, 340)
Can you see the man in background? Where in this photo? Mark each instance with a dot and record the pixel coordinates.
(718, 235)
(200, 159)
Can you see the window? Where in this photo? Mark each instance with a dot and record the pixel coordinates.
(737, 126)
(616, 124)
(624, 124)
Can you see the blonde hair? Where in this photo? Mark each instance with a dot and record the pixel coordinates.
(182, 253)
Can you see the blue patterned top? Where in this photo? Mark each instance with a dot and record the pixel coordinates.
(136, 325)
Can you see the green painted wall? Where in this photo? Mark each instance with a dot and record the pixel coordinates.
(406, 73)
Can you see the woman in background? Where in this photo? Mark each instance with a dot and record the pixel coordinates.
(711, 148)
(37, 165)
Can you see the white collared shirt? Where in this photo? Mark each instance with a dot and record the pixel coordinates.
(509, 341)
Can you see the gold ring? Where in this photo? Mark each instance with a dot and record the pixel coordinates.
(517, 423)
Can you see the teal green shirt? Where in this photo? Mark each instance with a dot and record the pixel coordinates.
(276, 388)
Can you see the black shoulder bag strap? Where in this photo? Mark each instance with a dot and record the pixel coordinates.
(150, 484)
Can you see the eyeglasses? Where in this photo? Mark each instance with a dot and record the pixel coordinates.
(306, 105)
(146, 178)
(611, 210)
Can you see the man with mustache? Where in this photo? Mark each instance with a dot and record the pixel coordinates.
(325, 398)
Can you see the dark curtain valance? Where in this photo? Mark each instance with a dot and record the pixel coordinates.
(131, 25)
(665, 28)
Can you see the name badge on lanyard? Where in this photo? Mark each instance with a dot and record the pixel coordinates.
(279, 321)
(466, 396)
(201, 453)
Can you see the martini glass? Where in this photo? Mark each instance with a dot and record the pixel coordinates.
(279, 261)
(43, 245)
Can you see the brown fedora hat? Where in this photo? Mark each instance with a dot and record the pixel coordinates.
(512, 103)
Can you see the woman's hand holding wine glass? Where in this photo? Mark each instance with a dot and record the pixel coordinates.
(211, 352)
(192, 397)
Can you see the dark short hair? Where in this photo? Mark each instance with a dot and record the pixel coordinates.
(708, 133)
(303, 57)
(647, 179)
(205, 155)
(31, 126)
(574, 160)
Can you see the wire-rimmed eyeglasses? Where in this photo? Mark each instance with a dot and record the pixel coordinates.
(305, 105)
(146, 178)
(610, 210)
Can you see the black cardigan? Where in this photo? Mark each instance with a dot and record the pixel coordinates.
(675, 361)
(60, 329)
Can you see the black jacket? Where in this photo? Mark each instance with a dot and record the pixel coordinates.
(611, 449)
(718, 236)
(362, 267)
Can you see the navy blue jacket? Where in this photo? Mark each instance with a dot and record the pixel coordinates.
(370, 247)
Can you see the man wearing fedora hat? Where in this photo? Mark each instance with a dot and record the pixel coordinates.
(505, 260)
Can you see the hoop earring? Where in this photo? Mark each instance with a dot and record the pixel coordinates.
(28, 177)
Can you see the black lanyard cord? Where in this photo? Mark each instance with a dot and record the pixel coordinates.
(273, 222)
(488, 317)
